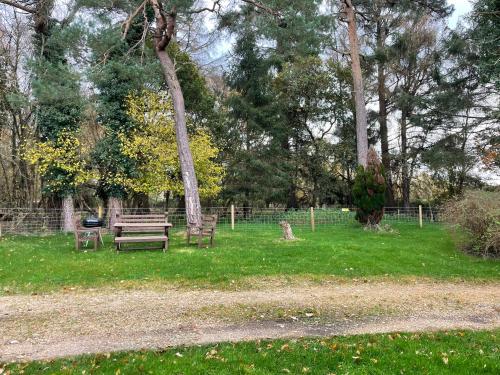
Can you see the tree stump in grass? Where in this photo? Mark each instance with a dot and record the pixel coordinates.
(287, 230)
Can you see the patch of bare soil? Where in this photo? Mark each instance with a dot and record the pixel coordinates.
(64, 324)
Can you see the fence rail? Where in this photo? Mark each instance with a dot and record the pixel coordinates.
(47, 221)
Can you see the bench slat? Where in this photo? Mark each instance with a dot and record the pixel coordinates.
(148, 215)
(141, 239)
(141, 218)
(141, 248)
(143, 230)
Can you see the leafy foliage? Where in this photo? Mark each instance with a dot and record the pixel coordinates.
(152, 147)
(485, 33)
(117, 73)
(474, 221)
(284, 105)
(369, 190)
(62, 162)
(316, 96)
(59, 110)
(253, 116)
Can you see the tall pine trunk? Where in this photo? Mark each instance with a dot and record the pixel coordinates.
(357, 78)
(405, 174)
(382, 115)
(164, 32)
(191, 195)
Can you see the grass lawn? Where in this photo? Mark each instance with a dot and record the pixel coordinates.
(39, 264)
(430, 353)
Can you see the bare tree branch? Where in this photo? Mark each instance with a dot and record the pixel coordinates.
(126, 24)
(216, 4)
(261, 6)
(18, 6)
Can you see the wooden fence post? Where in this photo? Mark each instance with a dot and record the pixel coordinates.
(232, 217)
(312, 219)
(420, 215)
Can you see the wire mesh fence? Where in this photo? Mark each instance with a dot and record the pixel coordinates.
(47, 221)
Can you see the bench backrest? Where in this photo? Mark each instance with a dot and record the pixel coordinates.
(209, 221)
(147, 218)
(77, 222)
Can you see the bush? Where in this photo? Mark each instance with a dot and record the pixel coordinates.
(474, 222)
(369, 191)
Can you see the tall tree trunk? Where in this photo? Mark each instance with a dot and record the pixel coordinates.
(246, 206)
(14, 159)
(462, 174)
(405, 176)
(382, 115)
(67, 214)
(114, 209)
(191, 195)
(141, 201)
(165, 31)
(357, 77)
(290, 118)
(166, 194)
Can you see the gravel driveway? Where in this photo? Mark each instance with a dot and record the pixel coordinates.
(103, 320)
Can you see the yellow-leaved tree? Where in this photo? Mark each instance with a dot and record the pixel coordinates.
(63, 163)
(152, 145)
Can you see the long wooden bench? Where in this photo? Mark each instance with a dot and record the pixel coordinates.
(141, 228)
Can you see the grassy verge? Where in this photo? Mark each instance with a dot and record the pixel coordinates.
(430, 353)
(40, 264)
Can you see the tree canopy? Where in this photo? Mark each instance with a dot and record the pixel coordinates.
(249, 102)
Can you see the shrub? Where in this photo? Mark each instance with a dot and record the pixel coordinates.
(474, 222)
(369, 190)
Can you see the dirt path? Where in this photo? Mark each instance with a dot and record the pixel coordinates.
(62, 324)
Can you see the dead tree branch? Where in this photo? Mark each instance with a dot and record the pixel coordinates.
(18, 5)
(216, 4)
(126, 24)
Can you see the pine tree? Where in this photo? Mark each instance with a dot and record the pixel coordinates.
(59, 103)
(384, 21)
(117, 72)
(251, 117)
(276, 127)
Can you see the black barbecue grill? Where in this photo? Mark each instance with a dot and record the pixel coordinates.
(93, 222)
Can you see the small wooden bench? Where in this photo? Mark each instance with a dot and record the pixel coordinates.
(207, 229)
(142, 228)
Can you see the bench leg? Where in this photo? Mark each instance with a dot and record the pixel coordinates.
(165, 246)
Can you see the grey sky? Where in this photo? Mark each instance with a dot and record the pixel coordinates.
(461, 8)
